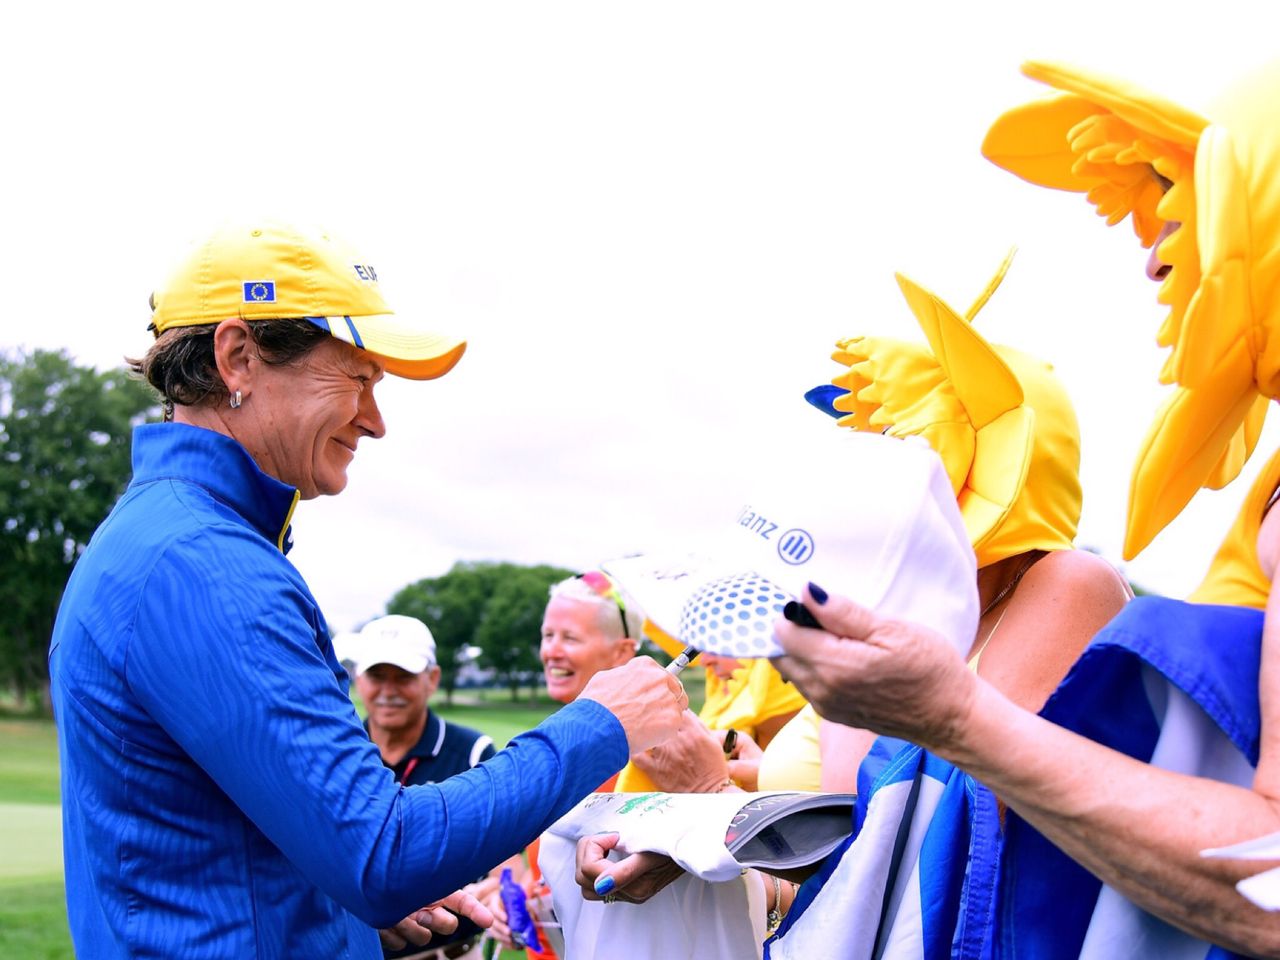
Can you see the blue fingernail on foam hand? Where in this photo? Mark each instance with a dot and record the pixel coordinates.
(603, 885)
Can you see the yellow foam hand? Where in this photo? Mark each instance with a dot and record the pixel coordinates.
(1106, 137)
(1031, 141)
(1012, 462)
(1120, 165)
(900, 387)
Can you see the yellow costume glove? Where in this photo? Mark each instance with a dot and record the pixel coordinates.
(1000, 421)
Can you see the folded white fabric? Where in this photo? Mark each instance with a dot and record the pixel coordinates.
(715, 910)
(1262, 889)
(692, 918)
(689, 828)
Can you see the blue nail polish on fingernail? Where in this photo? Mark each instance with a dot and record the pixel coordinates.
(817, 593)
(603, 885)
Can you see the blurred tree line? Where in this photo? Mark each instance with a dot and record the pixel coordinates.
(64, 459)
(496, 607)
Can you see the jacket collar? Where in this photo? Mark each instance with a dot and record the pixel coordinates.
(432, 739)
(219, 464)
(429, 744)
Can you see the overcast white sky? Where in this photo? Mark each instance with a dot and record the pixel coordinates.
(651, 221)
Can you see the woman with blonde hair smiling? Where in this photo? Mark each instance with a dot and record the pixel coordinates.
(587, 626)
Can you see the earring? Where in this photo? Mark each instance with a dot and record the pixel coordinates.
(236, 400)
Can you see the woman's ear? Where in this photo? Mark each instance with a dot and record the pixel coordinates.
(233, 351)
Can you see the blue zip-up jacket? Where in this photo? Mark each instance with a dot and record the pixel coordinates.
(220, 797)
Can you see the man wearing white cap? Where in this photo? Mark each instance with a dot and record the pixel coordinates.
(396, 675)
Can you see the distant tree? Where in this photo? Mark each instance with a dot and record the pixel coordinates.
(64, 459)
(495, 606)
(510, 631)
(451, 605)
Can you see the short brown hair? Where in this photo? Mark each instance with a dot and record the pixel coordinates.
(181, 365)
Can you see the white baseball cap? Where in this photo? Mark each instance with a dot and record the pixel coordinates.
(868, 516)
(405, 642)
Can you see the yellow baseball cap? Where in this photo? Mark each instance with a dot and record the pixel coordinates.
(273, 271)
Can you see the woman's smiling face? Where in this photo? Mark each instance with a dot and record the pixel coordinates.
(574, 647)
(302, 420)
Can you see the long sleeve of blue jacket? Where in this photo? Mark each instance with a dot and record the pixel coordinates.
(238, 673)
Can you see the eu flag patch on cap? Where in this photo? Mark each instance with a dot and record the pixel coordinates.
(259, 291)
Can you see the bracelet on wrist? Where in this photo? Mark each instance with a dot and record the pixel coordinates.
(773, 919)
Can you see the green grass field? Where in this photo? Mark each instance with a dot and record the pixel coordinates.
(33, 921)
(28, 762)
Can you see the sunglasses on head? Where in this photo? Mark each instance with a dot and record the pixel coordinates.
(602, 586)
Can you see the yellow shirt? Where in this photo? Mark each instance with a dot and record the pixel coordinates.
(1235, 577)
(754, 693)
(631, 780)
(793, 759)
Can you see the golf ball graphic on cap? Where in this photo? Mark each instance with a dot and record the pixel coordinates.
(733, 616)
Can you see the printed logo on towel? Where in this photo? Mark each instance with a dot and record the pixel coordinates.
(365, 272)
(795, 546)
(259, 291)
(756, 523)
